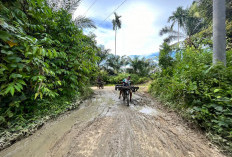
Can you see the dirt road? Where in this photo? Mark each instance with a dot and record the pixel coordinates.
(104, 126)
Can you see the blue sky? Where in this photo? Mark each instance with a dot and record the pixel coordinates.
(141, 22)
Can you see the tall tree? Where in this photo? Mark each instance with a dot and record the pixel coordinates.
(178, 17)
(115, 63)
(191, 25)
(102, 53)
(141, 66)
(165, 58)
(219, 31)
(116, 25)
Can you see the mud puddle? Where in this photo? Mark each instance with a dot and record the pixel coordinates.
(148, 111)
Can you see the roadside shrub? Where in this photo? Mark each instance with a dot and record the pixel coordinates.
(135, 79)
(143, 80)
(43, 55)
(118, 78)
(201, 90)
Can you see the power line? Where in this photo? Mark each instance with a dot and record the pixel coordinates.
(90, 7)
(114, 11)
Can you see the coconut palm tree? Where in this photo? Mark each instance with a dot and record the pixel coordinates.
(116, 25)
(178, 17)
(190, 26)
(219, 31)
(172, 34)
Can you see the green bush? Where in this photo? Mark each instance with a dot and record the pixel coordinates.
(43, 55)
(202, 91)
(135, 79)
(118, 78)
(143, 80)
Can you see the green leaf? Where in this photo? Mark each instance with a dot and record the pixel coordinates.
(36, 95)
(7, 52)
(54, 53)
(15, 76)
(8, 89)
(2, 119)
(12, 90)
(14, 58)
(42, 52)
(50, 55)
(18, 87)
(34, 50)
(219, 108)
(13, 65)
(41, 95)
(5, 36)
(2, 21)
(217, 90)
(59, 82)
(9, 113)
(22, 82)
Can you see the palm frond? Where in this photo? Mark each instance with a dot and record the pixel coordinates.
(171, 38)
(116, 21)
(74, 6)
(168, 30)
(172, 18)
(83, 22)
(69, 5)
(178, 16)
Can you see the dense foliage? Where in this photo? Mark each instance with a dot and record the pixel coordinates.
(189, 80)
(113, 68)
(43, 55)
(117, 79)
(203, 91)
(205, 9)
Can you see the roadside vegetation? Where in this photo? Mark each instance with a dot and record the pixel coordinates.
(189, 80)
(113, 68)
(45, 65)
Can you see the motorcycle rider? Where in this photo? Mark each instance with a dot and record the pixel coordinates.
(99, 82)
(126, 82)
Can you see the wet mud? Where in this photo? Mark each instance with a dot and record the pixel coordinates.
(104, 126)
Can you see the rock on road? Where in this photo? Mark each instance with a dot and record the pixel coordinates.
(104, 126)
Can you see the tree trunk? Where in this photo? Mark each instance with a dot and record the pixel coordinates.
(219, 31)
(115, 40)
(178, 32)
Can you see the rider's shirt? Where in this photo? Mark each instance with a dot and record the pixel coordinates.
(126, 81)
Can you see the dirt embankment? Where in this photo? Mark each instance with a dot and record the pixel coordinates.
(104, 126)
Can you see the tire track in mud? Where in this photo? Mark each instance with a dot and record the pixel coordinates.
(105, 127)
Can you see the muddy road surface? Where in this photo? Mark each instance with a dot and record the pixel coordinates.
(104, 126)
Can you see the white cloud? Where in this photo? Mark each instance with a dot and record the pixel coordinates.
(138, 32)
(141, 23)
